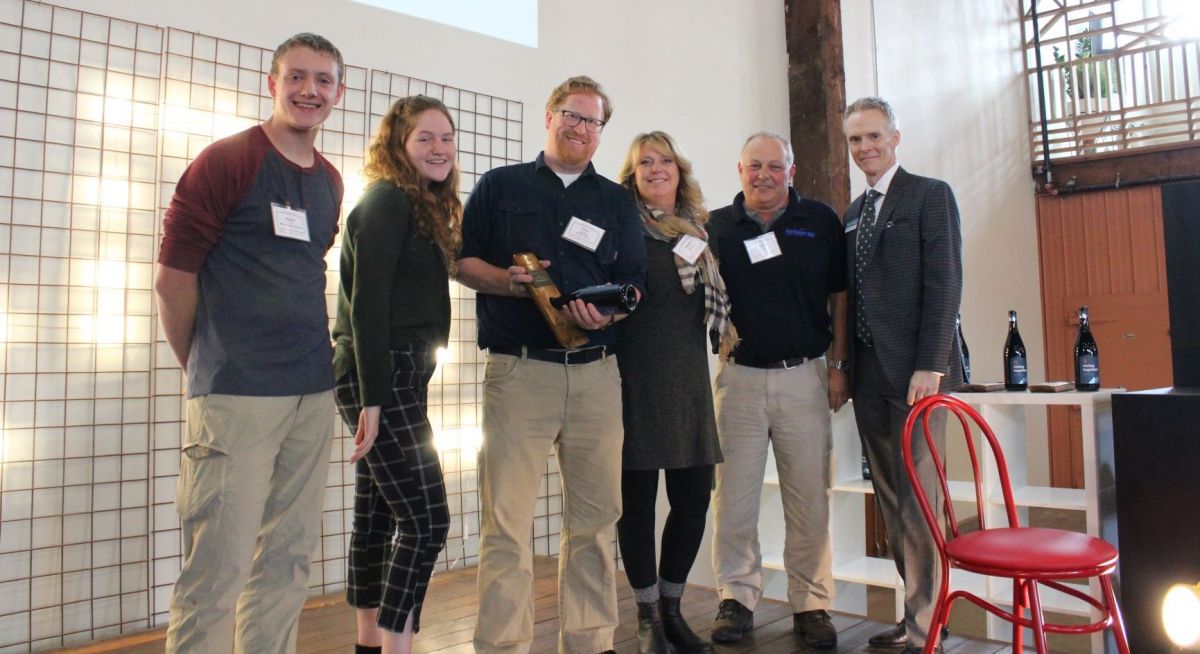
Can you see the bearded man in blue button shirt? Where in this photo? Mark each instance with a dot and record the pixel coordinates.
(538, 394)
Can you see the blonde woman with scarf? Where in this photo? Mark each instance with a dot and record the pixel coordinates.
(666, 393)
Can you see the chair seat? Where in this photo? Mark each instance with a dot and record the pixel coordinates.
(1031, 551)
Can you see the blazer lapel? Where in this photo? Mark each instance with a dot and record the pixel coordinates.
(886, 209)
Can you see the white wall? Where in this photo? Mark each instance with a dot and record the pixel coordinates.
(953, 72)
(710, 72)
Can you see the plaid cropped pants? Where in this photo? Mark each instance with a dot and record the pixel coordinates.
(400, 514)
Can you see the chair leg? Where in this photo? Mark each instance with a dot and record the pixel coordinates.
(1114, 610)
(1039, 627)
(1019, 603)
(941, 615)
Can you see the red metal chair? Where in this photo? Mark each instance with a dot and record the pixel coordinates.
(1030, 556)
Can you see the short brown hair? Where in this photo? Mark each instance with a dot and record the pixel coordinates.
(314, 42)
(578, 84)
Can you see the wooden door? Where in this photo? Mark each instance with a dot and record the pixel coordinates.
(1105, 250)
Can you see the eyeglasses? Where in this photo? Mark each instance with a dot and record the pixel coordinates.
(573, 119)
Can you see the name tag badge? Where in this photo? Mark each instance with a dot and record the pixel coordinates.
(290, 223)
(583, 234)
(689, 248)
(852, 224)
(763, 247)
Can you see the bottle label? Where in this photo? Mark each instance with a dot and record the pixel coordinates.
(1089, 369)
(1017, 371)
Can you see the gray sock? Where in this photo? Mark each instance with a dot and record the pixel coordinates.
(670, 588)
(647, 595)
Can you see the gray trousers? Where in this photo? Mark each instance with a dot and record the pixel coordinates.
(880, 411)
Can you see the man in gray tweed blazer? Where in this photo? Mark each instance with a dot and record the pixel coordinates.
(904, 252)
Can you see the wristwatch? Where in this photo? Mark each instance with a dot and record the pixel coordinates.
(839, 364)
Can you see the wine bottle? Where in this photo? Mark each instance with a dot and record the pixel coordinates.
(962, 346)
(608, 299)
(1087, 356)
(543, 290)
(1016, 372)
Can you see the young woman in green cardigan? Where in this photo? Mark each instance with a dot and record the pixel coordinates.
(393, 313)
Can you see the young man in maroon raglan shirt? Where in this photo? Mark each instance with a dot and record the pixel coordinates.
(241, 292)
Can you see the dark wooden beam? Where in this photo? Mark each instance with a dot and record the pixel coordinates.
(1152, 165)
(816, 97)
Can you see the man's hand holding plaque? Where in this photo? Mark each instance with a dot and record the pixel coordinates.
(542, 290)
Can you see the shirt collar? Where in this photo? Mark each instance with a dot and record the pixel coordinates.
(739, 201)
(885, 180)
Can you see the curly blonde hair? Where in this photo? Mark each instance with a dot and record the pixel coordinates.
(689, 201)
(437, 208)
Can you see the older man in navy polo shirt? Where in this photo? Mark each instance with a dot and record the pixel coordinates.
(783, 260)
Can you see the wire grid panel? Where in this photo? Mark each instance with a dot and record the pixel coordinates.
(78, 119)
(98, 119)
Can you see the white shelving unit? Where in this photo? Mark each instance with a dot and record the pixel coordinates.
(1006, 413)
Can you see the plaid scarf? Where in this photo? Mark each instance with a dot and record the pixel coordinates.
(661, 226)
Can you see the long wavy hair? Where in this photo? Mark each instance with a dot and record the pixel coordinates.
(437, 207)
(689, 201)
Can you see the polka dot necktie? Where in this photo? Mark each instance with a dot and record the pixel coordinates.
(866, 229)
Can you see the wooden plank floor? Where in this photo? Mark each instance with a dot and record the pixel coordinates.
(327, 624)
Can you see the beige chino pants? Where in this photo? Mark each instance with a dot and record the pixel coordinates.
(530, 406)
(787, 410)
(249, 498)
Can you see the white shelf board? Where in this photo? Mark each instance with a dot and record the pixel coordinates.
(1052, 600)
(868, 570)
(773, 560)
(853, 485)
(1074, 499)
(1079, 398)
(960, 491)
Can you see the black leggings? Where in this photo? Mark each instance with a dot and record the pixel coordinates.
(688, 490)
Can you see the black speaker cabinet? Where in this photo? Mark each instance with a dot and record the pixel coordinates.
(1181, 236)
(1156, 446)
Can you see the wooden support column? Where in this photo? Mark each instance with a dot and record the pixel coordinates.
(817, 96)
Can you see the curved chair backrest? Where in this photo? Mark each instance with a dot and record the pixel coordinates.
(971, 423)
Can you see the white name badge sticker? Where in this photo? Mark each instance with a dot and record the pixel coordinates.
(689, 248)
(290, 223)
(583, 234)
(851, 224)
(763, 247)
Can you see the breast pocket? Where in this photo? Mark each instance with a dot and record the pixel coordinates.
(521, 227)
(900, 234)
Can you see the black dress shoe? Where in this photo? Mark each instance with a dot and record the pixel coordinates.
(650, 636)
(678, 632)
(733, 621)
(895, 637)
(816, 628)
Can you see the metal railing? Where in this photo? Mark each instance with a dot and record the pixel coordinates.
(1137, 88)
